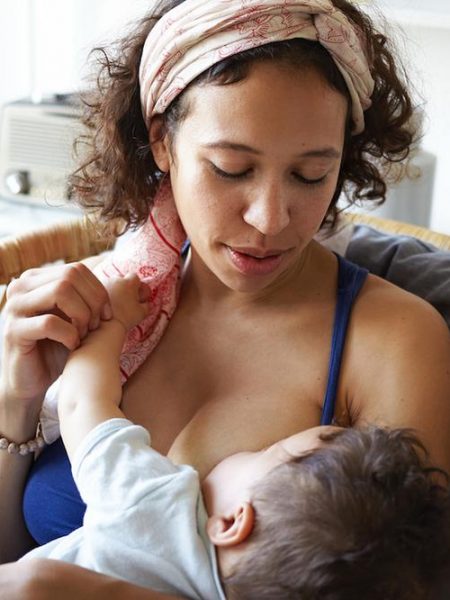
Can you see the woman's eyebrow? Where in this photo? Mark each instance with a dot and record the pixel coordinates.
(224, 145)
(321, 153)
(327, 152)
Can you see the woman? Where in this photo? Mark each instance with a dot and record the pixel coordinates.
(259, 114)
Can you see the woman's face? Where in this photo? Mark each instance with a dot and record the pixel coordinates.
(253, 169)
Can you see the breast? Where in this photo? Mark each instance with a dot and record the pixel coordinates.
(204, 396)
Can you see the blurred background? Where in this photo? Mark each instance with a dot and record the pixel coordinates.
(44, 45)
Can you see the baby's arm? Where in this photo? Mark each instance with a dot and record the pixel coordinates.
(90, 390)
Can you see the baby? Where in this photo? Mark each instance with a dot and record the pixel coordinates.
(328, 513)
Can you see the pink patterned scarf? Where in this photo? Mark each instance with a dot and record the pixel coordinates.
(154, 253)
(197, 34)
(184, 43)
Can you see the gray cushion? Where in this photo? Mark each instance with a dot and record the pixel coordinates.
(411, 264)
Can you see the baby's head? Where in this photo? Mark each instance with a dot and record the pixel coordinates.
(330, 513)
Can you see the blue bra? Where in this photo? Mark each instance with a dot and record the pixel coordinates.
(53, 507)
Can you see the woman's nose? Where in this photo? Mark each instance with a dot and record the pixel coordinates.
(268, 211)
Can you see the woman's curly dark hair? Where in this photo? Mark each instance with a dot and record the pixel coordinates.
(119, 177)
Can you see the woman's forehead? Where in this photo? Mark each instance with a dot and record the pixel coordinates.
(268, 81)
(267, 105)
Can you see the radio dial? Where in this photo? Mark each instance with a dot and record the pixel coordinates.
(18, 182)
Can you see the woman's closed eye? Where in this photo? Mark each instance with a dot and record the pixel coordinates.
(228, 175)
(242, 174)
(307, 181)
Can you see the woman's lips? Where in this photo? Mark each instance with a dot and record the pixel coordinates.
(249, 264)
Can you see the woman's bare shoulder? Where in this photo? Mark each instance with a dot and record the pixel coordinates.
(384, 305)
(398, 365)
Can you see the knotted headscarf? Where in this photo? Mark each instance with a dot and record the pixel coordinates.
(197, 34)
(185, 42)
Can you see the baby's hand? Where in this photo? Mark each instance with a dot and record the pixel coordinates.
(129, 299)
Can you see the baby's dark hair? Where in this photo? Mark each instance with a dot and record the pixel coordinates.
(119, 177)
(362, 517)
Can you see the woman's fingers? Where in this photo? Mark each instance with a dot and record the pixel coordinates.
(27, 332)
(34, 353)
(32, 278)
(70, 291)
(48, 312)
(59, 299)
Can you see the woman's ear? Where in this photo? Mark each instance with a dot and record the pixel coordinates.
(232, 529)
(159, 143)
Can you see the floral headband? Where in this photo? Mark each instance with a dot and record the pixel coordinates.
(197, 34)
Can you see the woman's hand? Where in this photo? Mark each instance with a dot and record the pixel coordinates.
(48, 311)
(44, 579)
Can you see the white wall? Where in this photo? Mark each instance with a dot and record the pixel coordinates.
(422, 32)
(15, 67)
(62, 32)
(430, 53)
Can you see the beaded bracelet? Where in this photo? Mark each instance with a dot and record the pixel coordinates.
(26, 447)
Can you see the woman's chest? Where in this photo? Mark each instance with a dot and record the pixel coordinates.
(207, 392)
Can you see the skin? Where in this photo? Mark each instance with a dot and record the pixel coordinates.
(261, 331)
(265, 204)
(230, 482)
(229, 487)
(272, 208)
(90, 393)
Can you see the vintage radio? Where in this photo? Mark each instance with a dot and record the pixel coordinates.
(37, 149)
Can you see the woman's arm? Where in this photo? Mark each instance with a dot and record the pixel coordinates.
(43, 579)
(14, 536)
(48, 311)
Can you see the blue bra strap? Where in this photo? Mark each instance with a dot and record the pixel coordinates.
(350, 280)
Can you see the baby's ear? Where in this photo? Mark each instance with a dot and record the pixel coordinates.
(231, 529)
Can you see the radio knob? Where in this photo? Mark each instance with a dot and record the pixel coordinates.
(18, 182)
